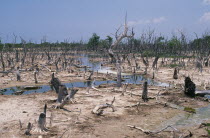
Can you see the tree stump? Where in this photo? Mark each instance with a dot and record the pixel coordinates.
(189, 88)
(175, 76)
(18, 74)
(42, 120)
(55, 83)
(145, 92)
(62, 93)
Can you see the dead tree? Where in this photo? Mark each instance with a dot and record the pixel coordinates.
(56, 63)
(175, 76)
(69, 97)
(55, 83)
(189, 88)
(42, 120)
(63, 92)
(145, 92)
(90, 77)
(18, 74)
(114, 57)
(24, 52)
(36, 73)
(155, 62)
(2, 59)
(146, 63)
(199, 65)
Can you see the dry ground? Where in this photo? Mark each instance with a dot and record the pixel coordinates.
(77, 121)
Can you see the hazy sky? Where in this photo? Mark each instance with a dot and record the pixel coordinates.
(78, 19)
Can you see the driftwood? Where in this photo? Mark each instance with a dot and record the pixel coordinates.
(202, 93)
(99, 109)
(46, 67)
(153, 132)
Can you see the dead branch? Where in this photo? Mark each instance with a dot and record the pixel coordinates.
(98, 110)
(66, 99)
(153, 132)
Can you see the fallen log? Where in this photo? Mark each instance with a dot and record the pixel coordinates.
(99, 109)
(153, 132)
(202, 93)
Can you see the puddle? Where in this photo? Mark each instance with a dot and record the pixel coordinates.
(188, 119)
(94, 66)
(130, 79)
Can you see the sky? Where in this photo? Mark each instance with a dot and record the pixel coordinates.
(76, 20)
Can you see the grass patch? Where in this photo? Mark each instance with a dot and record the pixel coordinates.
(190, 110)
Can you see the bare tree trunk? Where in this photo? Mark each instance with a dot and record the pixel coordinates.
(145, 91)
(18, 74)
(2, 61)
(114, 56)
(62, 93)
(119, 71)
(55, 82)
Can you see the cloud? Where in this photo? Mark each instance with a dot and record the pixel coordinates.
(148, 21)
(206, 2)
(205, 17)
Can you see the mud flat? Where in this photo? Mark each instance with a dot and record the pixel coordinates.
(76, 119)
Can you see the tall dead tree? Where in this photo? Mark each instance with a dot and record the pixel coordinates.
(114, 57)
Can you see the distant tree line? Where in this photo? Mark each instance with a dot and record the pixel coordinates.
(147, 45)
